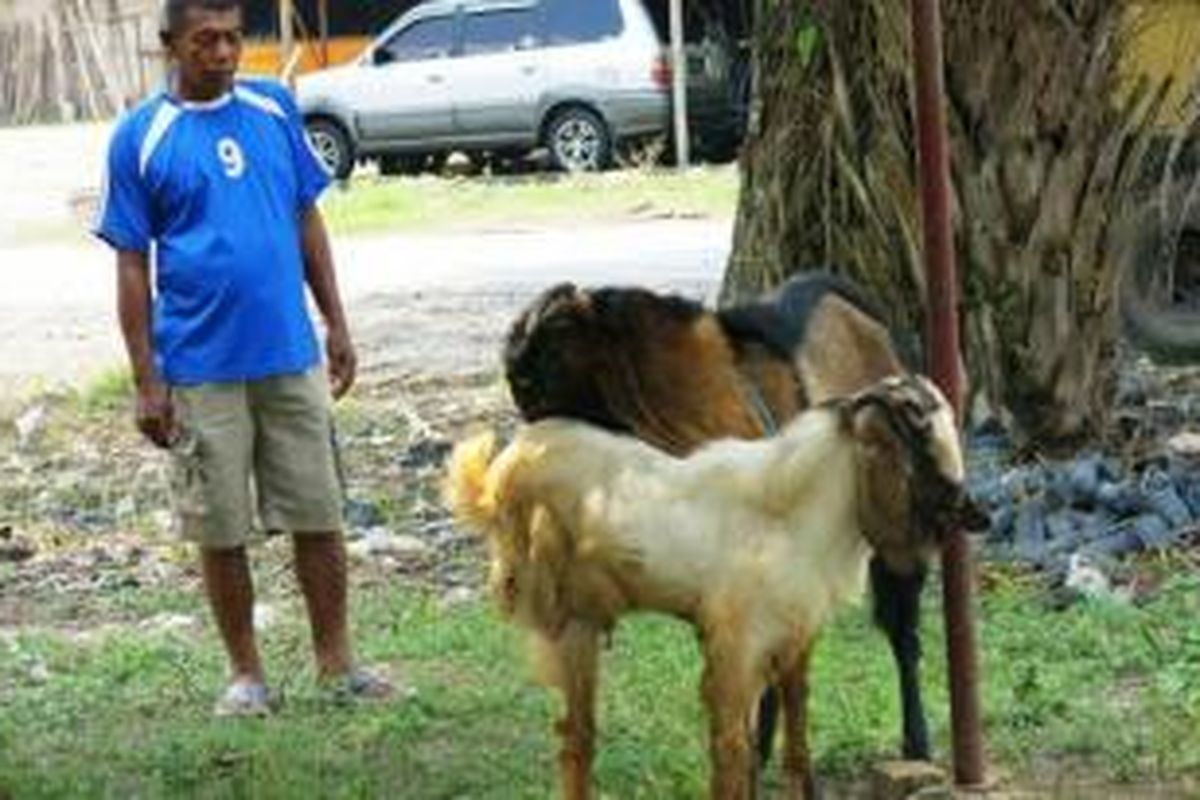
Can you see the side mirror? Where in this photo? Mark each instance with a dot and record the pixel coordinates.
(380, 57)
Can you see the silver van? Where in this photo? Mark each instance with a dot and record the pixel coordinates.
(499, 76)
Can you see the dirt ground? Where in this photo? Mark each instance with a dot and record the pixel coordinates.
(428, 329)
(435, 302)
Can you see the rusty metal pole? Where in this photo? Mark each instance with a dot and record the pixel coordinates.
(942, 348)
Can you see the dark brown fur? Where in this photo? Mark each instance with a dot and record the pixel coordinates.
(677, 375)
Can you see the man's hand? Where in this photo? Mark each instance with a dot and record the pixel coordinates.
(156, 413)
(343, 363)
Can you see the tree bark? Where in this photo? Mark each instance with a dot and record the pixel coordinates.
(1046, 141)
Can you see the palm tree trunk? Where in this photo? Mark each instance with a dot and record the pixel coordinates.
(1046, 141)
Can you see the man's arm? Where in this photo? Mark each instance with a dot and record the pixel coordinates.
(155, 413)
(322, 282)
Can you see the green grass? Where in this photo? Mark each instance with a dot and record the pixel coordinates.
(111, 390)
(430, 204)
(1109, 691)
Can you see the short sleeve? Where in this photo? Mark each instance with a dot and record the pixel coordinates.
(311, 172)
(124, 214)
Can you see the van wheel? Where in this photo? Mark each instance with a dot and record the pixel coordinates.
(332, 146)
(578, 141)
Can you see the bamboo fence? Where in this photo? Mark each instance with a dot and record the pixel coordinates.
(77, 59)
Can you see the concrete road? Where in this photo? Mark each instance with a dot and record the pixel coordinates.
(58, 325)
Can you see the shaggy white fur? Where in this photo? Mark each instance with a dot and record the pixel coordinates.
(755, 542)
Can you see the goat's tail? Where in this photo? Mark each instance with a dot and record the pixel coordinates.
(466, 490)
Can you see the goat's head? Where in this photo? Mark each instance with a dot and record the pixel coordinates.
(910, 470)
(551, 358)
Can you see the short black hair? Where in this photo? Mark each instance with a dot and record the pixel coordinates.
(174, 11)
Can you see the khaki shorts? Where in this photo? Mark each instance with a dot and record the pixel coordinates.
(263, 445)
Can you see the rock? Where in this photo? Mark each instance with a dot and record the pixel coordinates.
(171, 623)
(1170, 506)
(899, 780)
(1003, 519)
(1152, 531)
(426, 453)
(15, 548)
(1030, 531)
(1120, 499)
(265, 616)
(989, 491)
(1060, 526)
(126, 507)
(30, 424)
(362, 514)
(1083, 479)
(404, 546)
(1164, 415)
(39, 673)
(1185, 444)
(382, 542)
(1057, 492)
(1131, 389)
(1085, 578)
(1031, 479)
(458, 596)
(163, 520)
(1118, 541)
(1189, 491)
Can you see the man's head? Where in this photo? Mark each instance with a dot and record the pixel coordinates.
(204, 38)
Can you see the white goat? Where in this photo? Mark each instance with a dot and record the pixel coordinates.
(754, 542)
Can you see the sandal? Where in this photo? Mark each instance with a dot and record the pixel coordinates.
(245, 699)
(359, 684)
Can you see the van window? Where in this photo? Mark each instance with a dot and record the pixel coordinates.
(499, 31)
(572, 21)
(425, 39)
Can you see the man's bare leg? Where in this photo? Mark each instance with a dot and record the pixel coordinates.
(321, 571)
(230, 591)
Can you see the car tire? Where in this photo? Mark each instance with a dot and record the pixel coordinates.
(578, 140)
(332, 146)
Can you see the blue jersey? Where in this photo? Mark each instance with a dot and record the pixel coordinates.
(218, 189)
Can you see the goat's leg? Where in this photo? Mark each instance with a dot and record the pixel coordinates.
(730, 690)
(897, 611)
(768, 717)
(573, 664)
(793, 687)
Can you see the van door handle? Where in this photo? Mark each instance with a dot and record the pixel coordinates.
(435, 78)
(528, 69)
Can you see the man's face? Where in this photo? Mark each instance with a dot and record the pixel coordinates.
(207, 49)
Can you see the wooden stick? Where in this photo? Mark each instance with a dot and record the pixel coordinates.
(81, 65)
(59, 70)
(105, 72)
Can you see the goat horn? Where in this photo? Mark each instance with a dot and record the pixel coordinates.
(908, 404)
(548, 301)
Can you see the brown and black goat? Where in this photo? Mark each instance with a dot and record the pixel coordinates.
(676, 375)
(755, 543)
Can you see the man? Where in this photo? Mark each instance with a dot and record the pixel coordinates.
(214, 177)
